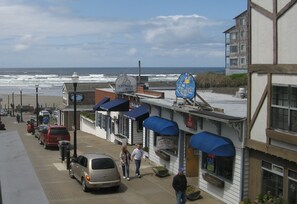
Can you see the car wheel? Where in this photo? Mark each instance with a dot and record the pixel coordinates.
(84, 185)
(115, 188)
(70, 173)
(44, 145)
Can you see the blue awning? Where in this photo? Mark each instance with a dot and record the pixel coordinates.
(119, 104)
(97, 106)
(139, 113)
(161, 125)
(213, 144)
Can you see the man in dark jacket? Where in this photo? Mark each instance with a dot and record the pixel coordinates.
(179, 184)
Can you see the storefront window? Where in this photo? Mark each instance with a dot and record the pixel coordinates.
(272, 179)
(167, 144)
(140, 126)
(219, 166)
(100, 120)
(124, 126)
(292, 189)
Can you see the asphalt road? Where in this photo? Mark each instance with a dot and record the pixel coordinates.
(59, 188)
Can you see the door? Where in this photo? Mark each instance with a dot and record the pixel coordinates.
(192, 159)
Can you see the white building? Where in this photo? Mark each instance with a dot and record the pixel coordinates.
(179, 134)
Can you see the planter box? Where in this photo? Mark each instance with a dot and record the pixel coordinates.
(193, 193)
(213, 180)
(160, 171)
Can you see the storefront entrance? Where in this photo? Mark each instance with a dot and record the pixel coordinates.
(192, 159)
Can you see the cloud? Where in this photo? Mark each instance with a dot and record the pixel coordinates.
(178, 29)
(21, 47)
(52, 37)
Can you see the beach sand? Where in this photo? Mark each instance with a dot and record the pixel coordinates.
(44, 101)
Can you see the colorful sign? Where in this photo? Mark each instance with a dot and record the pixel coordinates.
(185, 86)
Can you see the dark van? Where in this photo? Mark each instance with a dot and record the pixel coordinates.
(52, 135)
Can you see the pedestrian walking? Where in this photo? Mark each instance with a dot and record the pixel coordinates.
(179, 184)
(137, 155)
(125, 158)
(18, 117)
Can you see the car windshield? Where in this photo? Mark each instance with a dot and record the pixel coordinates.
(102, 163)
(59, 131)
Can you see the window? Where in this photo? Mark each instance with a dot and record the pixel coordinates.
(284, 108)
(233, 62)
(100, 120)
(124, 126)
(139, 126)
(292, 188)
(242, 48)
(83, 161)
(243, 35)
(58, 131)
(167, 144)
(146, 138)
(233, 36)
(272, 179)
(103, 163)
(104, 122)
(242, 60)
(219, 166)
(233, 49)
(242, 21)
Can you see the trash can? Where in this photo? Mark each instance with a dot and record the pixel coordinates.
(64, 146)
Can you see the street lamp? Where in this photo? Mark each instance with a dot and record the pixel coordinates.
(37, 106)
(21, 98)
(12, 104)
(74, 81)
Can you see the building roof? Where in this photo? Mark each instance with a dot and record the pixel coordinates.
(233, 108)
(84, 86)
(241, 14)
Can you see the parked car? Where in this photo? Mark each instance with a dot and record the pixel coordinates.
(95, 171)
(3, 112)
(39, 130)
(53, 134)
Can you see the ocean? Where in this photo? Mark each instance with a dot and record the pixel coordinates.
(51, 80)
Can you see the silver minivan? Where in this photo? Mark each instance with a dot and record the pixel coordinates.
(95, 171)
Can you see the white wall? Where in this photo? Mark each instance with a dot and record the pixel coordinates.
(86, 125)
(262, 44)
(287, 41)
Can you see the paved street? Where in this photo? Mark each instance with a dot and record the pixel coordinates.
(59, 188)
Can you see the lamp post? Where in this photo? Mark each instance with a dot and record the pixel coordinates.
(12, 104)
(8, 104)
(74, 81)
(37, 106)
(21, 98)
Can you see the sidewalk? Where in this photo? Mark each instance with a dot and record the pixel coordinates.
(90, 143)
(59, 188)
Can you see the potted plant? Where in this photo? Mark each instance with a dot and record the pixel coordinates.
(160, 171)
(192, 193)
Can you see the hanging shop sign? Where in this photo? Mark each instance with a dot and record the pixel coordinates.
(125, 84)
(79, 97)
(185, 86)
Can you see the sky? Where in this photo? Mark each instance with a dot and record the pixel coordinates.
(115, 33)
